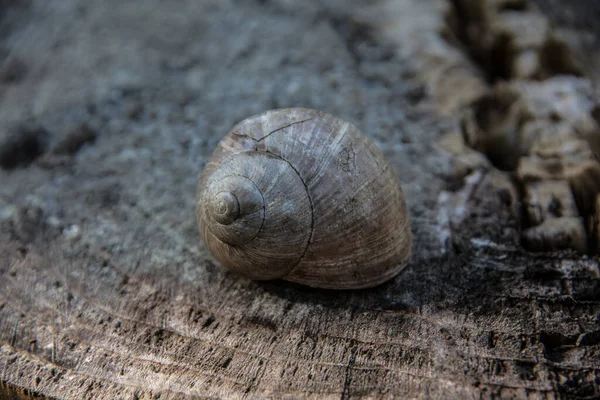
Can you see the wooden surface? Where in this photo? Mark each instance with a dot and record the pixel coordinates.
(106, 291)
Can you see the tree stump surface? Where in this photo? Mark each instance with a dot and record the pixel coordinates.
(109, 110)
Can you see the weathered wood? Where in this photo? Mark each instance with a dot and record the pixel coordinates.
(107, 292)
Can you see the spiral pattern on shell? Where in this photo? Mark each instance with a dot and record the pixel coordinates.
(304, 196)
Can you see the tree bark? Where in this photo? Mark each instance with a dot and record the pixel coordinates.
(106, 291)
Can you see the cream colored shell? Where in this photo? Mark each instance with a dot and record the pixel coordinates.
(304, 196)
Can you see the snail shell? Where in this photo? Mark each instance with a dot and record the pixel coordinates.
(304, 196)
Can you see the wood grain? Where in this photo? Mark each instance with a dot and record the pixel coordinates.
(106, 291)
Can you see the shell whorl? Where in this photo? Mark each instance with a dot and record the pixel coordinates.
(235, 210)
(255, 215)
(225, 207)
